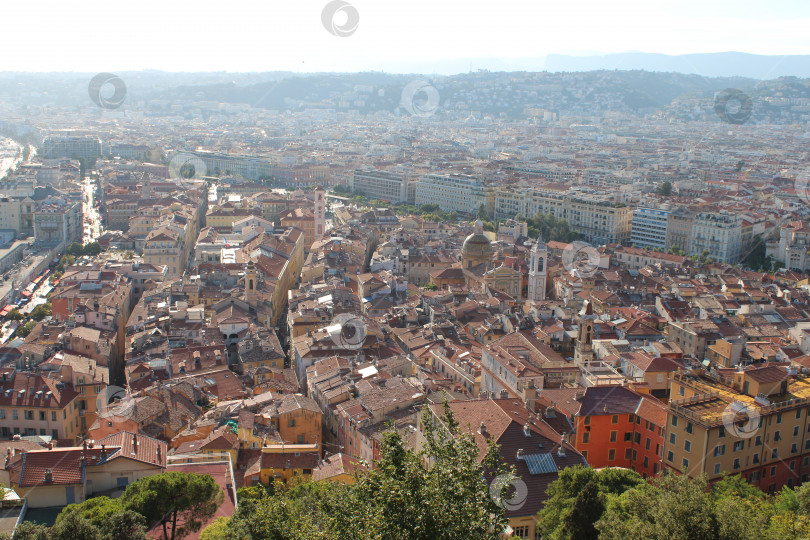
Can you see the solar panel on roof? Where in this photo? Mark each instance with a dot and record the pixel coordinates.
(540, 463)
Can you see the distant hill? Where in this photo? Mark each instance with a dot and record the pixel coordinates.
(501, 94)
(726, 64)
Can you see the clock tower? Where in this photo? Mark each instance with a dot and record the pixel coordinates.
(538, 271)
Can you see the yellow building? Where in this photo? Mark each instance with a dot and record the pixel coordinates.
(304, 220)
(31, 404)
(338, 468)
(753, 422)
(217, 445)
(59, 476)
(164, 246)
(284, 419)
(286, 463)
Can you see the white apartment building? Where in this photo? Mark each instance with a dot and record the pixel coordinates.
(551, 173)
(71, 146)
(383, 185)
(10, 214)
(596, 217)
(719, 234)
(649, 228)
(452, 193)
(792, 247)
(58, 222)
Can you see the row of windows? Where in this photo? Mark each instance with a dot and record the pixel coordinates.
(29, 415)
(7, 433)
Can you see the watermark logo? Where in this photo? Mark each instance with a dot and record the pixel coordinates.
(741, 420)
(186, 166)
(582, 258)
(420, 98)
(733, 106)
(109, 398)
(348, 331)
(340, 18)
(107, 91)
(508, 492)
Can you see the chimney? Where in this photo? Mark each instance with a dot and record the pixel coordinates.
(134, 443)
(159, 457)
(482, 429)
(103, 452)
(561, 451)
(527, 432)
(50, 445)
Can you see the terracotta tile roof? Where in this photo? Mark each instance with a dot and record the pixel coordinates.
(600, 400)
(33, 390)
(767, 374)
(515, 428)
(30, 468)
(137, 447)
(336, 465)
(290, 460)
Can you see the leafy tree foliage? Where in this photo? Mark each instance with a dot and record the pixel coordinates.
(92, 248)
(674, 506)
(25, 329)
(64, 262)
(437, 493)
(664, 190)
(177, 501)
(577, 499)
(94, 519)
(553, 229)
(109, 517)
(77, 250)
(341, 189)
(40, 312)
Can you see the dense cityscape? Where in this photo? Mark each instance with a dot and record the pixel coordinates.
(486, 305)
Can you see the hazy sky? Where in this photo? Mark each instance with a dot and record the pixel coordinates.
(392, 35)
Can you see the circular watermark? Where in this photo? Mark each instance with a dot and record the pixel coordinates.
(508, 492)
(420, 98)
(340, 18)
(733, 106)
(741, 420)
(581, 257)
(107, 90)
(185, 166)
(347, 331)
(109, 398)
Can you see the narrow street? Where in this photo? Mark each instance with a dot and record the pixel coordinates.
(92, 221)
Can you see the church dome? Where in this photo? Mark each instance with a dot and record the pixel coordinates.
(477, 245)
